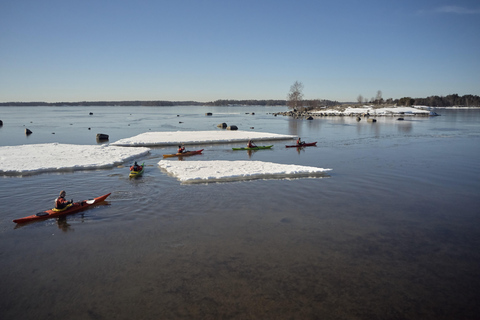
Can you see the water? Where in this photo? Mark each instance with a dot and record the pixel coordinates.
(393, 233)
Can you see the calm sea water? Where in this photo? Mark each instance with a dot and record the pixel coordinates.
(393, 233)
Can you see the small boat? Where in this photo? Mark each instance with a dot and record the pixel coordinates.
(254, 148)
(72, 208)
(134, 174)
(183, 154)
(312, 144)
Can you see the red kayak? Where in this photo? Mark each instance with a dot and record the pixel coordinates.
(312, 144)
(184, 154)
(73, 208)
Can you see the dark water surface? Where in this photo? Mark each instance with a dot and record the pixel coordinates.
(393, 233)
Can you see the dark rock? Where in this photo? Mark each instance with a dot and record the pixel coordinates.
(91, 113)
(101, 136)
(1, 123)
(28, 132)
(400, 119)
(358, 118)
(371, 120)
(232, 128)
(310, 118)
(222, 125)
(208, 114)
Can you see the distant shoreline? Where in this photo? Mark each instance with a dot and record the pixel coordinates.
(234, 103)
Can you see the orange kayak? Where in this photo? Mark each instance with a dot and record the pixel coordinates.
(75, 207)
(185, 154)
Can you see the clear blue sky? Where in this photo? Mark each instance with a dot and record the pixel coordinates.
(178, 50)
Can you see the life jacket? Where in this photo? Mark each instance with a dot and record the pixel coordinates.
(136, 168)
(60, 203)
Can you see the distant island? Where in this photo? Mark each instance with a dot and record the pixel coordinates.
(452, 100)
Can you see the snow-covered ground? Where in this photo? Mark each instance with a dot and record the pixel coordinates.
(51, 157)
(198, 137)
(380, 111)
(221, 170)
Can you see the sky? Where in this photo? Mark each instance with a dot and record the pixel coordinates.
(202, 50)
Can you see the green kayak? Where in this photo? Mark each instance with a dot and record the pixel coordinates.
(255, 148)
(134, 174)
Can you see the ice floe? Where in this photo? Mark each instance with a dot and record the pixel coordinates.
(150, 139)
(222, 170)
(49, 157)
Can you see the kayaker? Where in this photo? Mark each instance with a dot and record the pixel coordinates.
(251, 144)
(181, 149)
(135, 167)
(61, 202)
(299, 141)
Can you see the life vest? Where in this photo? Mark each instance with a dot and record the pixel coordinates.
(60, 203)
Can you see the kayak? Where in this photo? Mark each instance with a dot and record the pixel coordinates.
(184, 154)
(134, 174)
(254, 148)
(312, 144)
(72, 208)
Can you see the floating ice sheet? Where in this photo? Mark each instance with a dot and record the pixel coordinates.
(198, 137)
(221, 170)
(48, 157)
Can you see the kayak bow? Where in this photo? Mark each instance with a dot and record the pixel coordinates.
(75, 207)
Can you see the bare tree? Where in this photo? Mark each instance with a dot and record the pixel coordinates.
(360, 99)
(379, 98)
(295, 95)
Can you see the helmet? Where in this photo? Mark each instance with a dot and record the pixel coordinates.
(62, 192)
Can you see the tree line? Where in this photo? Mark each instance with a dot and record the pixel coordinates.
(431, 101)
(447, 101)
(246, 103)
(104, 103)
(294, 100)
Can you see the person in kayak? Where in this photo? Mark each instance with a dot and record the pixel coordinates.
(135, 167)
(181, 149)
(61, 202)
(250, 144)
(300, 142)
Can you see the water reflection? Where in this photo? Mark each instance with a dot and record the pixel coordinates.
(63, 224)
(374, 128)
(294, 127)
(404, 126)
